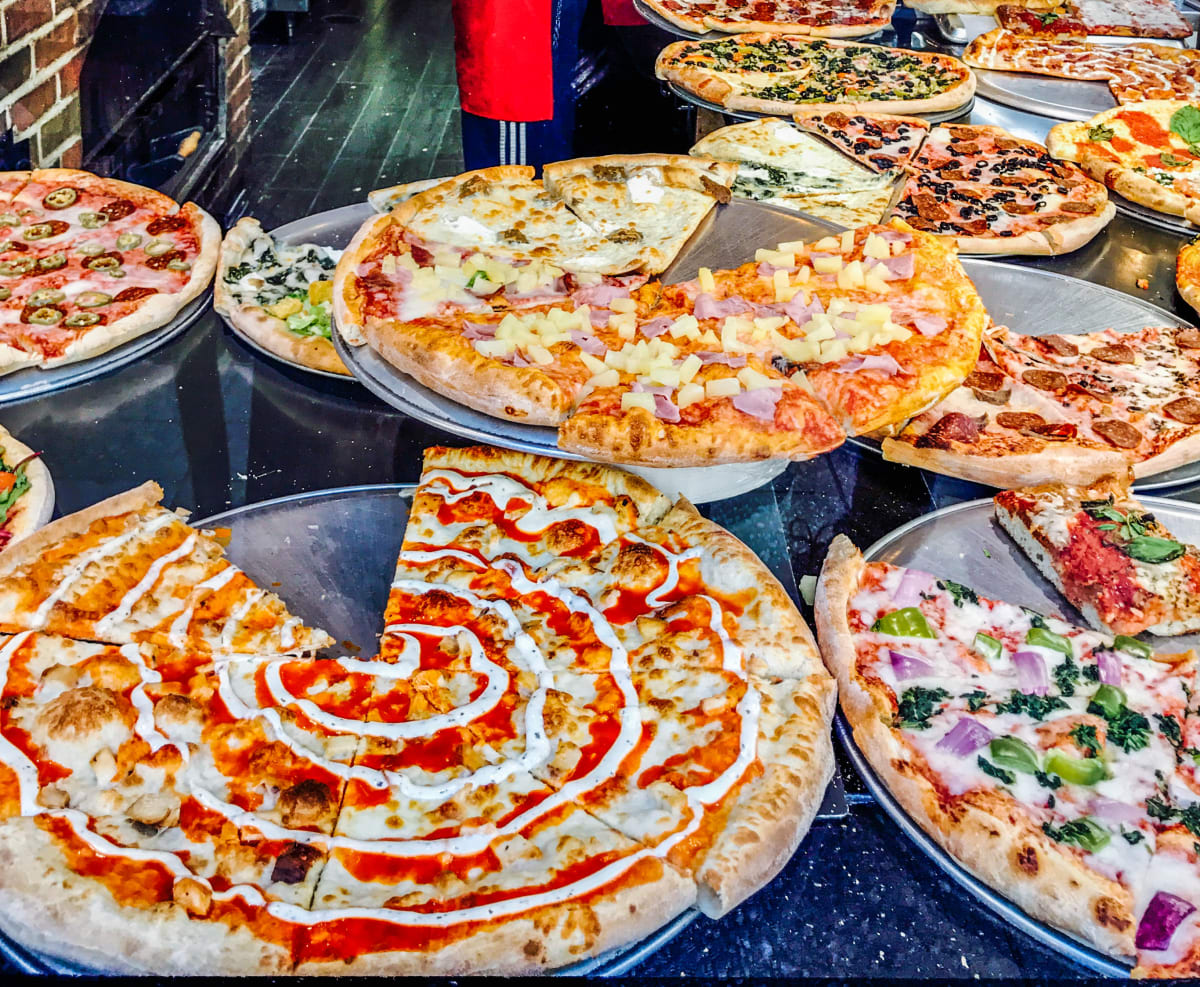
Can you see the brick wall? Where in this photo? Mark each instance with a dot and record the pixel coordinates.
(42, 47)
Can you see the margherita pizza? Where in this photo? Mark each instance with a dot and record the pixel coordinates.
(1064, 409)
(819, 18)
(88, 263)
(590, 710)
(769, 73)
(1054, 763)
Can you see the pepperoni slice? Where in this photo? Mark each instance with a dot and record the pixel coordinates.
(1189, 339)
(166, 224)
(134, 294)
(1045, 380)
(1056, 344)
(1186, 410)
(1116, 353)
(1056, 431)
(160, 262)
(950, 428)
(983, 380)
(1022, 421)
(117, 209)
(1019, 208)
(1117, 433)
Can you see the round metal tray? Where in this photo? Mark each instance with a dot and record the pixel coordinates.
(1037, 302)
(334, 552)
(32, 382)
(963, 543)
(660, 22)
(942, 116)
(1164, 221)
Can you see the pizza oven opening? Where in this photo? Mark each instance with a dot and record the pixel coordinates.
(153, 93)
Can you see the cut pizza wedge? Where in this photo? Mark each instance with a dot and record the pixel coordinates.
(1110, 557)
(879, 141)
(127, 569)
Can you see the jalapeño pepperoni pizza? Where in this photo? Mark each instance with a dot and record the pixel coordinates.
(88, 263)
(590, 710)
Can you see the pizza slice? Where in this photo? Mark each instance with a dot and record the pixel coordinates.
(1040, 755)
(1187, 273)
(279, 294)
(1131, 18)
(25, 490)
(878, 141)
(127, 569)
(1060, 22)
(1109, 556)
(653, 201)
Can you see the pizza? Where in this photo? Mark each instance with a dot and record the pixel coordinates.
(386, 199)
(1187, 273)
(767, 73)
(26, 493)
(777, 163)
(590, 710)
(995, 193)
(1053, 762)
(778, 358)
(1081, 18)
(879, 141)
(279, 295)
(1145, 151)
(88, 263)
(1070, 409)
(1134, 72)
(818, 18)
(983, 7)
(1111, 558)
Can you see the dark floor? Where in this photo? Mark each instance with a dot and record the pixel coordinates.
(362, 96)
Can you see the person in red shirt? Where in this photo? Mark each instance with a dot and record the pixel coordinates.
(516, 62)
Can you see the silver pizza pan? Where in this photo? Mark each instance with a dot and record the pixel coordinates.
(965, 544)
(660, 22)
(32, 382)
(332, 554)
(941, 116)
(727, 237)
(1036, 302)
(1164, 221)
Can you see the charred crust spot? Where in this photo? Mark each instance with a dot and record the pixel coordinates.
(532, 948)
(8, 702)
(1027, 860)
(293, 864)
(306, 803)
(567, 536)
(609, 173)
(1108, 914)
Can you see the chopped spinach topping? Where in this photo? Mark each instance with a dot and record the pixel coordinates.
(960, 593)
(1128, 730)
(1132, 836)
(1035, 618)
(1000, 774)
(1169, 727)
(1031, 705)
(1066, 675)
(975, 700)
(1048, 781)
(918, 704)
(1091, 673)
(1085, 736)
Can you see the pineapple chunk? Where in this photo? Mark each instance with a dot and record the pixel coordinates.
(689, 394)
(689, 368)
(877, 247)
(706, 280)
(847, 241)
(630, 400)
(827, 265)
(285, 307)
(320, 291)
(722, 387)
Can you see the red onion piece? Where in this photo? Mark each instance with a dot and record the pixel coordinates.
(655, 327)
(1031, 672)
(708, 307)
(800, 311)
(588, 343)
(1109, 810)
(964, 737)
(665, 409)
(913, 583)
(930, 325)
(601, 295)
(909, 666)
(881, 361)
(707, 357)
(1162, 917)
(1110, 667)
(478, 330)
(758, 403)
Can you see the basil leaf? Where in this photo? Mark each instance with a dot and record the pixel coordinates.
(1174, 161)
(1100, 133)
(1147, 548)
(1185, 122)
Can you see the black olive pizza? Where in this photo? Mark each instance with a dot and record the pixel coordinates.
(88, 263)
(590, 710)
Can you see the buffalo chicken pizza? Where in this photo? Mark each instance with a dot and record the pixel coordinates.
(1055, 763)
(1134, 72)
(1149, 152)
(1109, 556)
(1070, 409)
(88, 263)
(767, 73)
(590, 710)
(778, 358)
(279, 295)
(819, 18)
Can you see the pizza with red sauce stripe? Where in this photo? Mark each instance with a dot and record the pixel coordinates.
(1111, 558)
(590, 710)
(1064, 409)
(88, 263)
(1054, 763)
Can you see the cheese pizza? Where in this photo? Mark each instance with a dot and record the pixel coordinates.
(589, 711)
(1053, 762)
(768, 73)
(88, 263)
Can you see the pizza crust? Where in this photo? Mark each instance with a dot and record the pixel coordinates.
(982, 830)
(32, 507)
(1060, 238)
(314, 352)
(1140, 188)
(1187, 274)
